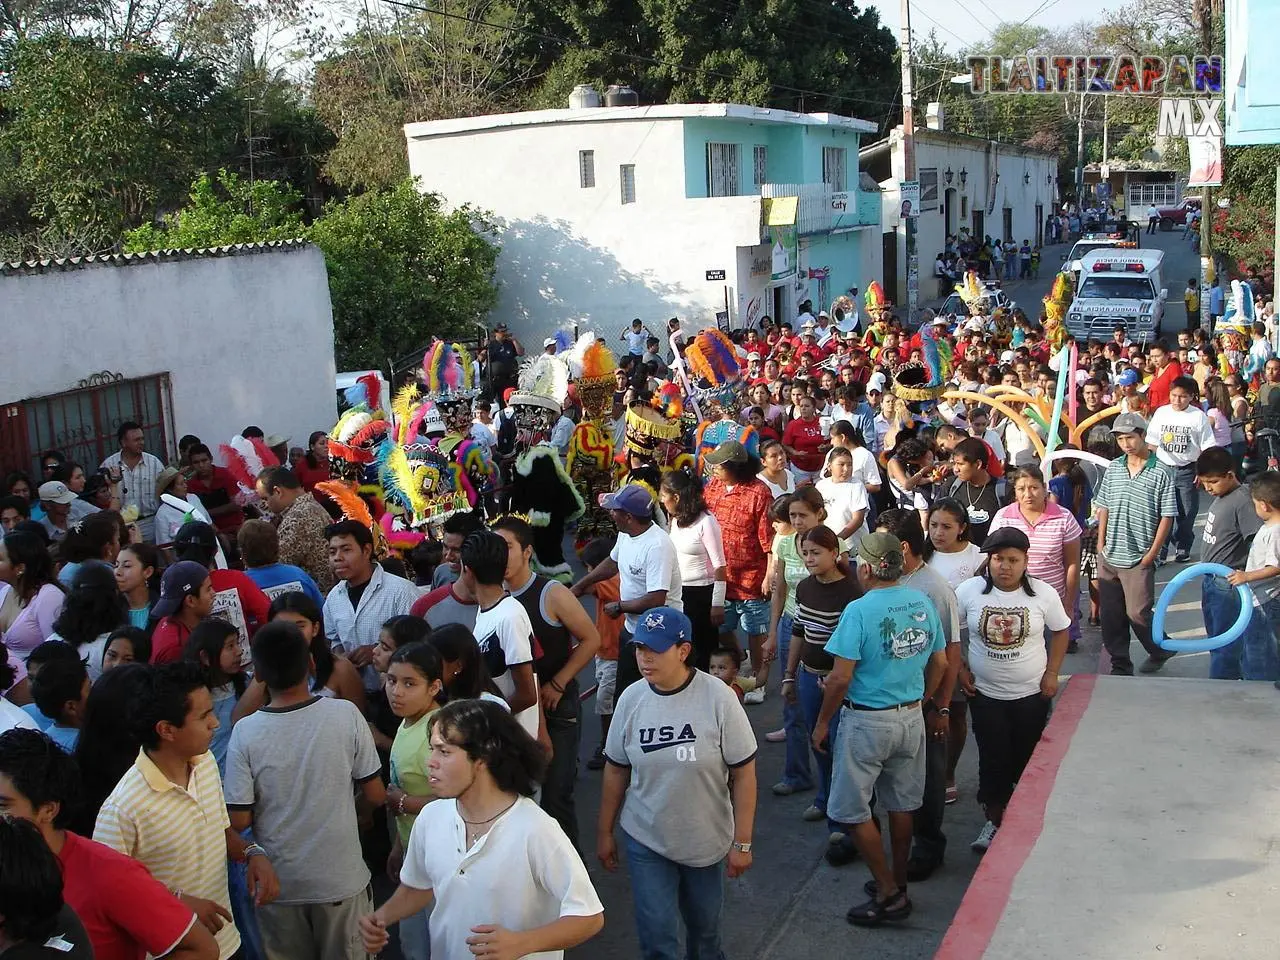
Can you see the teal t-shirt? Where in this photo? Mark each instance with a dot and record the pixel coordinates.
(891, 633)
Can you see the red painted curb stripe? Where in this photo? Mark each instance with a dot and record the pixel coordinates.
(985, 901)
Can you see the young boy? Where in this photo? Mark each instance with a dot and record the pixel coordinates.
(46, 653)
(1258, 657)
(724, 666)
(186, 598)
(610, 629)
(60, 690)
(300, 802)
(1229, 526)
(636, 337)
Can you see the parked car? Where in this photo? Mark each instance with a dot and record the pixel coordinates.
(954, 306)
(1177, 216)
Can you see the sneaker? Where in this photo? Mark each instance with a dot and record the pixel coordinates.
(784, 788)
(1152, 665)
(983, 843)
(754, 696)
(596, 761)
(1182, 556)
(813, 813)
(776, 736)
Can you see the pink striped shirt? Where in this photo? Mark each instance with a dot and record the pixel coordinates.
(1049, 536)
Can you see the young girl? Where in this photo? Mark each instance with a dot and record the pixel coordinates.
(775, 474)
(465, 675)
(92, 609)
(948, 550)
(820, 599)
(137, 569)
(126, 645)
(415, 690)
(214, 645)
(845, 498)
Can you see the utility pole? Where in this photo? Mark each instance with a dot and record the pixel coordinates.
(909, 162)
(1208, 269)
(1080, 154)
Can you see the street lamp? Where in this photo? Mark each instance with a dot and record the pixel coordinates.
(947, 175)
(1026, 179)
(964, 175)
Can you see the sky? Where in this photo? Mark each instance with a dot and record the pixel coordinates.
(962, 22)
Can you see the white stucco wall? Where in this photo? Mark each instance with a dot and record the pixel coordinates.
(245, 338)
(570, 253)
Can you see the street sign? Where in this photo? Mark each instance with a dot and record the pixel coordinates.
(715, 274)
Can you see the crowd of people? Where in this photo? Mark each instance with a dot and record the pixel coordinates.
(223, 705)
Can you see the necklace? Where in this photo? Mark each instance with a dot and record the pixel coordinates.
(480, 823)
(478, 828)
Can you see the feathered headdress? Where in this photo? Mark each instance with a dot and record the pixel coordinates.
(544, 382)
(446, 371)
(875, 301)
(366, 391)
(246, 459)
(712, 357)
(348, 501)
(669, 402)
(973, 293)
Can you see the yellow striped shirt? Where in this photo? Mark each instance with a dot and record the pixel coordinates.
(178, 834)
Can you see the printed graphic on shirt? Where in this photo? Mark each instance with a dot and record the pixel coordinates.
(1175, 439)
(226, 606)
(682, 741)
(1004, 630)
(905, 643)
(293, 586)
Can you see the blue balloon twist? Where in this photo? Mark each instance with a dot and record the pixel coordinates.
(1206, 643)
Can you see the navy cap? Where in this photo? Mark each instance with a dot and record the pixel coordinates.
(181, 580)
(662, 628)
(632, 498)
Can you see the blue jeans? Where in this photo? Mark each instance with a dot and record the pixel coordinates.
(810, 694)
(242, 907)
(1253, 655)
(1187, 495)
(665, 893)
(796, 771)
(415, 936)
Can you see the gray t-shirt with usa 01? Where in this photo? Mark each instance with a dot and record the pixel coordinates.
(680, 746)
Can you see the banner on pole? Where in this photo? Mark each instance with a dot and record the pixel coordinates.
(1206, 161)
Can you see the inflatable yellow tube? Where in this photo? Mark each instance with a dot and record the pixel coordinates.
(997, 404)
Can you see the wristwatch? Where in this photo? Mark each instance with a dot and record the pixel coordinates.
(741, 847)
(254, 850)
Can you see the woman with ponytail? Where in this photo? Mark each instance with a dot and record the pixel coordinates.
(700, 550)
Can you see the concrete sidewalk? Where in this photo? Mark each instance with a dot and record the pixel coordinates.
(1148, 825)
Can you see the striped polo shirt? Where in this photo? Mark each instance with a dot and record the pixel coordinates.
(1135, 505)
(1046, 560)
(178, 834)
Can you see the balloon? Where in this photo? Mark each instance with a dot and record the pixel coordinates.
(1008, 411)
(1078, 432)
(1064, 374)
(1048, 459)
(1207, 643)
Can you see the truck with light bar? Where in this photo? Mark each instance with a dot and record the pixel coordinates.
(1119, 287)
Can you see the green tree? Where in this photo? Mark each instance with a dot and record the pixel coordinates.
(1245, 231)
(224, 212)
(402, 270)
(102, 137)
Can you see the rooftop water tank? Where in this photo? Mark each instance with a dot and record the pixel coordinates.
(584, 97)
(621, 95)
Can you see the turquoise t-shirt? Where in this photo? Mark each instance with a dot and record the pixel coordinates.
(891, 633)
(139, 617)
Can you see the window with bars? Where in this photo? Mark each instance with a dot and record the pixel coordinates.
(722, 169)
(760, 164)
(587, 168)
(833, 167)
(627, 177)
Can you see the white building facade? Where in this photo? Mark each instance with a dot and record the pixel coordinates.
(611, 213)
(1000, 190)
(201, 342)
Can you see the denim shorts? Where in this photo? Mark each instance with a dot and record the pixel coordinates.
(877, 752)
(752, 615)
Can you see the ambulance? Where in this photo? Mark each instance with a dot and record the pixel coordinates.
(1119, 287)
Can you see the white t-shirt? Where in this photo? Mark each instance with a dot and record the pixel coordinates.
(505, 637)
(843, 500)
(866, 469)
(993, 441)
(1179, 436)
(958, 567)
(646, 563)
(699, 549)
(522, 874)
(1007, 651)
(13, 717)
(788, 484)
(1020, 450)
(636, 341)
(1265, 552)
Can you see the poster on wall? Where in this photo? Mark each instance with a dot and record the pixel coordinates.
(1206, 161)
(780, 217)
(929, 189)
(909, 197)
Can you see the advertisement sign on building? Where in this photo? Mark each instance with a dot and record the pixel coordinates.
(909, 195)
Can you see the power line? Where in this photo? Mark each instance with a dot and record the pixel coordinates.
(941, 26)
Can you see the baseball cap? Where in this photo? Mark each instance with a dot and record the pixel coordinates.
(662, 628)
(632, 498)
(500, 328)
(1129, 423)
(55, 491)
(181, 580)
(731, 451)
(876, 382)
(883, 551)
(823, 313)
(549, 341)
(1006, 537)
(753, 356)
(1127, 378)
(195, 533)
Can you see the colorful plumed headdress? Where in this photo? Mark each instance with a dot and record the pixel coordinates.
(591, 364)
(974, 294)
(447, 373)
(246, 458)
(353, 441)
(544, 382)
(713, 367)
(875, 301)
(1058, 299)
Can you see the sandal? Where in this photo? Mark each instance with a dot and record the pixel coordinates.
(875, 912)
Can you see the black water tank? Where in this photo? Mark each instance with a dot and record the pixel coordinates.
(621, 95)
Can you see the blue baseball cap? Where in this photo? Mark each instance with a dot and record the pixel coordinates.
(632, 498)
(662, 628)
(1127, 378)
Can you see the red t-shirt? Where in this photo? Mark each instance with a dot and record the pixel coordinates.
(309, 476)
(126, 912)
(168, 640)
(218, 491)
(1161, 384)
(805, 437)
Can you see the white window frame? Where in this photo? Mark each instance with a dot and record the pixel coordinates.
(627, 182)
(586, 169)
(723, 164)
(834, 167)
(760, 164)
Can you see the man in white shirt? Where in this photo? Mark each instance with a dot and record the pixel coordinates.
(136, 471)
(1180, 431)
(645, 561)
